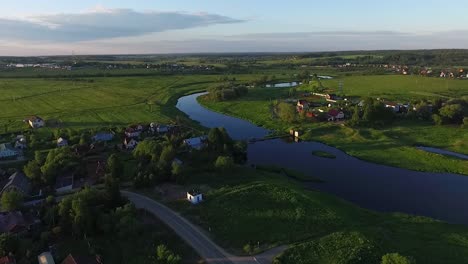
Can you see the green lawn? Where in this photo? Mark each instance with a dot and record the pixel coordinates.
(266, 210)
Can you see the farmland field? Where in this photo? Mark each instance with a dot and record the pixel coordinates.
(94, 102)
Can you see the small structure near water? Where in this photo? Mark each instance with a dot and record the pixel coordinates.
(194, 197)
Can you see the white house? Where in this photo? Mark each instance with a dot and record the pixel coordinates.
(194, 197)
(134, 131)
(45, 258)
(36, 122)
(158, 128)
(335, 115)
(20, 142)
(195, 143)
(61, 142)
(6, 151)
(130, 143)
(395, 107)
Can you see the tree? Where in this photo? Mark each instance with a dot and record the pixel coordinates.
(224, 163)
(57, 161)
(395, 258)
(8, 244)
(286, 112)
(165, 256)
(355, 119)
(114, 166)
(148, 149)
(452, 113)
(33, 170)
(437, 119)
(11, 200)
(112, 185)
(168, 154)
(465, 122)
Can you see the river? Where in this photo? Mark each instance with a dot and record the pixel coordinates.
(442, 196)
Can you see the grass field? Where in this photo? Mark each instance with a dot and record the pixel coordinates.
(265, 210)
(105, 101)
(400, 87)
(393, 145)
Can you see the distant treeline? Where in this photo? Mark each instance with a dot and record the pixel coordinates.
(410, 58)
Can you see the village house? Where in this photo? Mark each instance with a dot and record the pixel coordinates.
(17, 182)
(71, 259)
(302, 105)
(64, 183)
(7, 151)
(196, 142)
(194, 197)
(159, 128)
(36, 122)
(20, 142)
(130, 143)
(7, 260)
(330, 96)
(99, 137)
(134, 131)
(334, 115)
(61, 142)
(396, 107)
(15, 222)
(45, 258)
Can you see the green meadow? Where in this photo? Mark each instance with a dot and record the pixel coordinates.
(399, 87)
(94, 102)
(393, 145)
(248, 211)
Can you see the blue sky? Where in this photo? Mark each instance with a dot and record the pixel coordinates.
(39, 27)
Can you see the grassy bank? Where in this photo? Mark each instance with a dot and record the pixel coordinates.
(393, 145)
(263, 210)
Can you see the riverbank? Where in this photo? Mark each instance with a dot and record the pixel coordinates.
(248, 211)
(392, 146)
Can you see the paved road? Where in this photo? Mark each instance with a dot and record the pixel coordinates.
(206, 248)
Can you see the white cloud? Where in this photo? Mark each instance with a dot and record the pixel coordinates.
(102, 23)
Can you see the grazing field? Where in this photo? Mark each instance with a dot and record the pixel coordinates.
(94, 102)
(400, 87)
(248, 211)
(393, 145)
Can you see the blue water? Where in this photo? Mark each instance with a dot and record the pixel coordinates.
(442, 196)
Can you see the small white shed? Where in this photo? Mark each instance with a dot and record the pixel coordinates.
(194, 197)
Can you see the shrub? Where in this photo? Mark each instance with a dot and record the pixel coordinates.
(395, 258)
(437, 119)
(224, 163)
(11, 200)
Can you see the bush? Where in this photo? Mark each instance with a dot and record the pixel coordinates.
(395, 258)
(11, 200)
(286, 112)
(437, 119)
(224, 163)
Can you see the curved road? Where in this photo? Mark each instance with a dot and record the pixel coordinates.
(206, 248)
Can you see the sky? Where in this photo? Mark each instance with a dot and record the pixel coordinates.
(62, 27)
